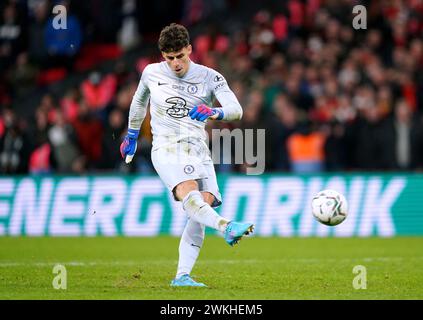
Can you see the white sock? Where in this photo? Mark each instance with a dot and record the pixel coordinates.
(201, 212)
(189, 247)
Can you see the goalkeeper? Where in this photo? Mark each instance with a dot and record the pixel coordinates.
(180, 93)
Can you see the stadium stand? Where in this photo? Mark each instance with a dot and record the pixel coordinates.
(299, 70)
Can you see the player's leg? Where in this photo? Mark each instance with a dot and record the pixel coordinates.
(193, 235)
(209, 188)
(180, 174)
(189, 247)
(197, 208)
(191, 242)
(202, 212)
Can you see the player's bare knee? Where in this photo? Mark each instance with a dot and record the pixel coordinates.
(208, 197)
(185, 187)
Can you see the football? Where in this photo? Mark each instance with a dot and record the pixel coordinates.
(329, 207)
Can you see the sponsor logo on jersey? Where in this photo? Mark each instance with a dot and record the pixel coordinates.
(178, 87)
(220, 85)
(218, 78)
(178, 109)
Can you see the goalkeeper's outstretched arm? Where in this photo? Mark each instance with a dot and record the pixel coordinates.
(137, 113)
(139, 103)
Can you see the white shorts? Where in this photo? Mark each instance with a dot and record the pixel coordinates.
(183, 161)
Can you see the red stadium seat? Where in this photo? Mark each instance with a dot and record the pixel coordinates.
(51, 75)
(93, 54)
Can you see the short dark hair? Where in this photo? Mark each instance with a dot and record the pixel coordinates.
(173, 38)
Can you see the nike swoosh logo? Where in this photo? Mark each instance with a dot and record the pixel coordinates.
(194, 245)
(161, 84)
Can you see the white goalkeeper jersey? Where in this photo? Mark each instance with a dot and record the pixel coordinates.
(171, 98)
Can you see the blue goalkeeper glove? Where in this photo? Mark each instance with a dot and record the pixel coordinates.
(203, 112)
(129, 145)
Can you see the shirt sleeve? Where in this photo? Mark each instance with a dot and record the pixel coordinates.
(231, 107)
(139, 103)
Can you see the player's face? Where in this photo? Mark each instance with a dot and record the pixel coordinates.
(178, 61)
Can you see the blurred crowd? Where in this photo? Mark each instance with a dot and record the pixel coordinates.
(330, 97)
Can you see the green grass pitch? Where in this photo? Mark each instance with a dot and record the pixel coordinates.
(258, 268)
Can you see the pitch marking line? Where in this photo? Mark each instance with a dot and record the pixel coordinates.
(7, 264)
